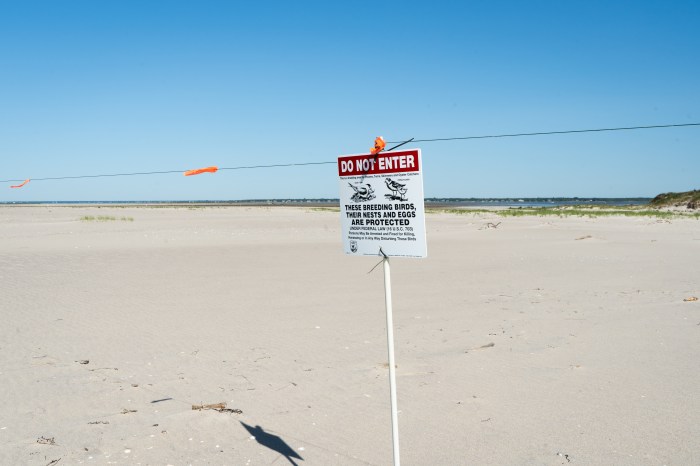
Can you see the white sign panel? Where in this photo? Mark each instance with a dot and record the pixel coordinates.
(381, 204)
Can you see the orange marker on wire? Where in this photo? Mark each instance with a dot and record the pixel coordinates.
(199, 171)
(379, 145)
(20, 185)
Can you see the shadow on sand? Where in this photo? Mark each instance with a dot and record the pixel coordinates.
(272, 442)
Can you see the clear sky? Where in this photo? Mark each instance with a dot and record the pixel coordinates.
(92, 87)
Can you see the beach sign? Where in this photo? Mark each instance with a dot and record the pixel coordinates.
(382, 213)
(381, 204)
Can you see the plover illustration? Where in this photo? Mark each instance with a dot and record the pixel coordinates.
(398, 190)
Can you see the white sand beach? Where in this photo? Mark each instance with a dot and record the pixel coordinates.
(544, 341)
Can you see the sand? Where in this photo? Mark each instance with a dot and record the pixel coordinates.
(543, 341)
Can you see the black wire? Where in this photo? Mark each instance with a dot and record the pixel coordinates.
(390, 142)
(550, 132)
(109, 174)
(396, 147)
(94, 176)
(278, 165)
(170, 171)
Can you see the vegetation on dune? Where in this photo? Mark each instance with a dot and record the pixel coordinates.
(577, 211)
(104, 218)
(689, 199)
(588, 212)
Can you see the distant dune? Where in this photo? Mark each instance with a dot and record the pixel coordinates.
(689, 199)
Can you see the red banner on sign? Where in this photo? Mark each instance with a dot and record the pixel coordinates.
(388, 162)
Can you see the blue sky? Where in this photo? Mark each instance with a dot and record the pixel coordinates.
(111, 87)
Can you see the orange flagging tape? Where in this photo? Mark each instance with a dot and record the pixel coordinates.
(201, 170)
(20, 185)
(379, 145)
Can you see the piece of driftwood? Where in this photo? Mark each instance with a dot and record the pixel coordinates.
(490, 225)
(211, 406)
(220, 407)
(487, 345)
(230, 410)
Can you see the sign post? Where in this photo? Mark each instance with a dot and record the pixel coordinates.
(382, 213)
(392, 362)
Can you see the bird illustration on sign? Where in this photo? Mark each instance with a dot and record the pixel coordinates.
(398, 190)
(363, 192)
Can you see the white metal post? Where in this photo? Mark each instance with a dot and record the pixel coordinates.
(392, 364)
